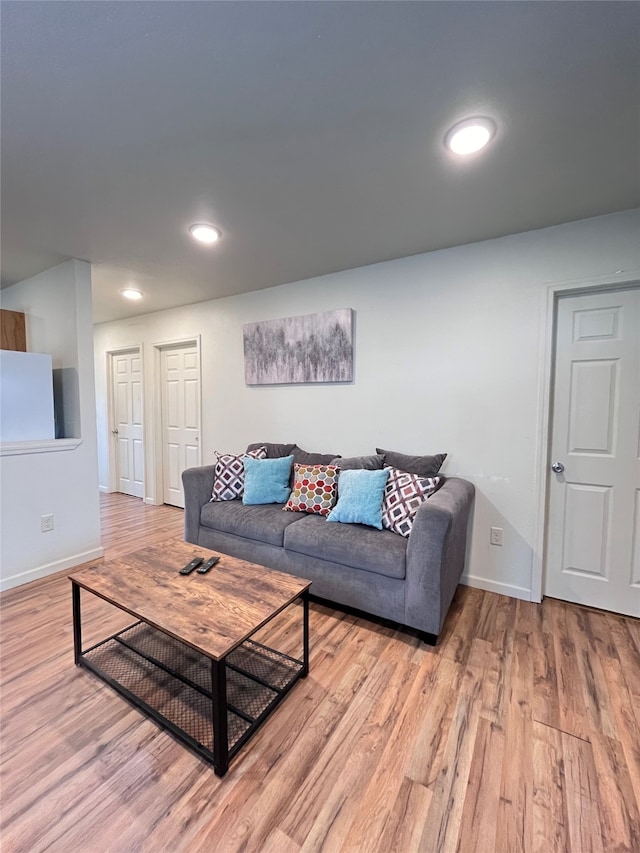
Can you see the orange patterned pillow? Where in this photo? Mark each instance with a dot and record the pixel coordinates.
(315, 489)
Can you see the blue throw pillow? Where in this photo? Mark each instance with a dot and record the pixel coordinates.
(360, 494)
(266, 481)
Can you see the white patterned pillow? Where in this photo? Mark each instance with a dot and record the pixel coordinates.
(403, 495)
(228, 483)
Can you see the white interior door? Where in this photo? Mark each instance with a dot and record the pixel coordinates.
(593, 553)
(180, 418)
(126, 377)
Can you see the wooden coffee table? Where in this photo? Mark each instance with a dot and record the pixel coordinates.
(189, 660)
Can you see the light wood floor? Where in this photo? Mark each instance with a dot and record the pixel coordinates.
(519, 732)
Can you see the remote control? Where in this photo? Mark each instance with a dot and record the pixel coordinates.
(204, 568)
(191, 566)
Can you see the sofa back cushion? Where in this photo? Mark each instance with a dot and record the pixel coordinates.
(274, 451)
(302, 457)
(374, 462)
(424, 466)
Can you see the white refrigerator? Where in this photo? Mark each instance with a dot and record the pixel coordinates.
(26, 397)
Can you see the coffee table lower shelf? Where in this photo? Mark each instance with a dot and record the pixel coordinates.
(178, 687)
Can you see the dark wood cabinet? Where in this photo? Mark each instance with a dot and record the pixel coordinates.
(13, 334)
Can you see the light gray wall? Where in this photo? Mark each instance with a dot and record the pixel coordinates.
(57, 304)
(447, 358)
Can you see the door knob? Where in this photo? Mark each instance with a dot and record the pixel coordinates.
(558, 467)
(114, 431)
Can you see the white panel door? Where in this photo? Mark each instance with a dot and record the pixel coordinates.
(180, 418)
(593, 554)
(126, 376)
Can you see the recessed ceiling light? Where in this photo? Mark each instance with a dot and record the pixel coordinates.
(470, 135)
(205, 233)
(131, 293)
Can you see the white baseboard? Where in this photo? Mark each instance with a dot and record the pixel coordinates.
(150, 501)
(50, 568)
(496, 586)
(103, 489)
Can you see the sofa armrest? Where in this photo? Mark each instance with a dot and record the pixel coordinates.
(198, 485)
(436, 553)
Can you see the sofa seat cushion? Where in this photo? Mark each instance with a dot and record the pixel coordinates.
(261, 522)
(355, 545)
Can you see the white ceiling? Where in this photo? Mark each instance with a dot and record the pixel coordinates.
(309, 132)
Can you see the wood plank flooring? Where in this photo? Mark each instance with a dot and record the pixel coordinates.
(520, 731)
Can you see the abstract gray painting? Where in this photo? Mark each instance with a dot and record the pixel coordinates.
(311, 348)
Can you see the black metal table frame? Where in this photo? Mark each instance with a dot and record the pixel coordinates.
(221, 755)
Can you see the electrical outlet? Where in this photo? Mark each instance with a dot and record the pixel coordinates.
(496, 535)
(46, 523)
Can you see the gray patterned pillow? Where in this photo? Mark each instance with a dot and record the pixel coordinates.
(228, 483)
(403, 496)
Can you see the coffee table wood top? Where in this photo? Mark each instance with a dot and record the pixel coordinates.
(212, 613)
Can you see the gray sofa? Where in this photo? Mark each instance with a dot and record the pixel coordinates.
(410, 581)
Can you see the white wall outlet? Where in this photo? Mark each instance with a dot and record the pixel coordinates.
(46, 523)
(496, 536)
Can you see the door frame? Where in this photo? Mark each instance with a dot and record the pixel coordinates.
(619, 280)
(156, 462)
(111, 408)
